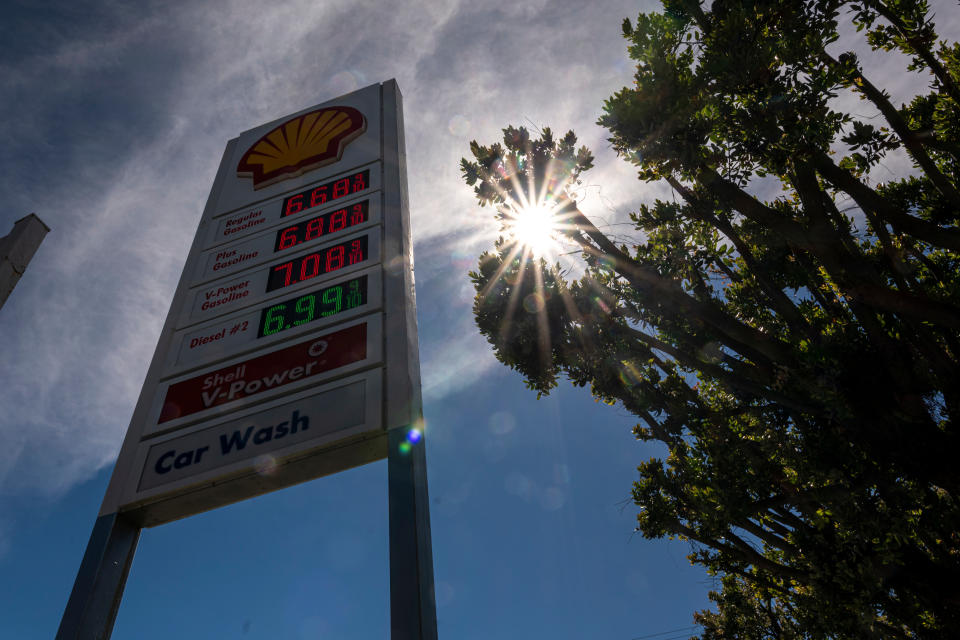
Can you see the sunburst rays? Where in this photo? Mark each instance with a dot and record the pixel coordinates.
(537, 220)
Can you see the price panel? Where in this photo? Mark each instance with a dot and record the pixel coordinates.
(290, 236)
(327, 192)
(256, 218)
(322, 226)
(312, 305)
(271, 321)
(317, 263)
(303, 268)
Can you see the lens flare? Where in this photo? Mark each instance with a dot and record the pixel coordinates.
(502, 423)
(630, 374)
(534, 303)
(459, 125)
(597, 300)
(343, 82)
(266, 465)
(552, 498)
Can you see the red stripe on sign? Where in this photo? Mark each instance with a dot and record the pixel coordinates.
(266, 372)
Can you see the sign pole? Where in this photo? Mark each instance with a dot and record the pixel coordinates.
(98, 589)
(413, 613)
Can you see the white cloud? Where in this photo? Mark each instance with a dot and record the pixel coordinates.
(113, 134)
(123, 176)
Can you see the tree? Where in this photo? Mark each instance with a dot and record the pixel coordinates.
(788, 326)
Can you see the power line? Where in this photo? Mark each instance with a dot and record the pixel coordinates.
(664, 633)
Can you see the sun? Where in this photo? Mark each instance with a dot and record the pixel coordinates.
(534, 227)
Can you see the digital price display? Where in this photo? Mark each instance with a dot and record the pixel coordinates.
(332, 222)
(328, 192)
(317, 263)
(322, 303)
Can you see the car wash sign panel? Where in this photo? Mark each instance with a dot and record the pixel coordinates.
(271, 366)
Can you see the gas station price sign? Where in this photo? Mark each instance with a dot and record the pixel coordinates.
(327, 192)
(317, 263)
(310, 306)
(332, 222)
(318, 378)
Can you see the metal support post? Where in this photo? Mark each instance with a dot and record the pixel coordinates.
(97, 591)
(413, 614)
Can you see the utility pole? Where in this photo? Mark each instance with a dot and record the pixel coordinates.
(16, 250)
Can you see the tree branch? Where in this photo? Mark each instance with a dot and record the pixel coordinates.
(738, 336)
(867, 198)
(918, 47)
(910, 139)
(780, 303)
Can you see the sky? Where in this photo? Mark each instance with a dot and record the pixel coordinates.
(116, 116)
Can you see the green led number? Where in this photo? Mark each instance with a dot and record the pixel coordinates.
(353, 297)
(310, 306)
(274, 315)
(306, 305)
(332, 296)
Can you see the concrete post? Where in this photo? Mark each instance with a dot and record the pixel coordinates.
(16, 249)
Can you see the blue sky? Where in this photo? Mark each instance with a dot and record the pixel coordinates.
(116, 115)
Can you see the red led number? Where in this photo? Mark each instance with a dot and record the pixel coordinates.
(325, 192)
(286, 268)
(334, 258)
(358, 213)
(356, 252)
(359, 182)
(293, 204)
(317, 263)
(314, 229)
(319, 196)
(310, 267)
(327, 223)
(338, 220)
(288, 238)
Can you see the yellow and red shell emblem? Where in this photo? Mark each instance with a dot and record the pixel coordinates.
(301, 144)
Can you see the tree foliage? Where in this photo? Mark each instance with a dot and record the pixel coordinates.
(788, 326)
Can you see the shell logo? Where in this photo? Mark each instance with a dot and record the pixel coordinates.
(301, 144)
